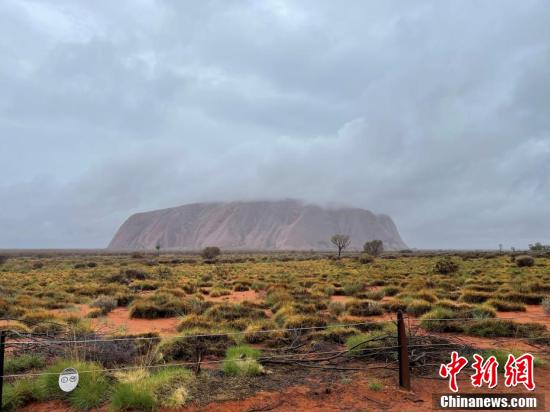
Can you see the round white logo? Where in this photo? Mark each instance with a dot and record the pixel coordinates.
(68, 379)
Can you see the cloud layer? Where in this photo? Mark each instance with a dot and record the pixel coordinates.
(437, 113)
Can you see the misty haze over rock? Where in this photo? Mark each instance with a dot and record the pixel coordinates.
(258, 225)
(434, 112)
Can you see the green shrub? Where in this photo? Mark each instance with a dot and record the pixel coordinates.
(210, 252)
(242, 360)
(446, 266)
(525, 261)
(365, 259)
(373, 247)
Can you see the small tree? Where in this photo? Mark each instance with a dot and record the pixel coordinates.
(210, 252)
(341, 242)
(157, 247)
(374, 247)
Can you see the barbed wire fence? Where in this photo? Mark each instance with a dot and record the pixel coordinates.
(411, 350)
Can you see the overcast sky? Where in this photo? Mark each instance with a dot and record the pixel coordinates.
(434, 112)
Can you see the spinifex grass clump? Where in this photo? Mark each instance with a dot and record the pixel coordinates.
(145, 390)
(417, 307)
(21, 363)
(92, 390)
(506, 306)
(242, 360)
(206, 342)
(165, 305)
(358, 307)
(495, 328)
(361, 344)
(104, 304)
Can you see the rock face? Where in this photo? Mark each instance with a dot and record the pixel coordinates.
(261, 225)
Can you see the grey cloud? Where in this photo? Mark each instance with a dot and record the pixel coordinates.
(433, 112)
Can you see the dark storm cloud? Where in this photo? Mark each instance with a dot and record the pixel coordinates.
(437, 113)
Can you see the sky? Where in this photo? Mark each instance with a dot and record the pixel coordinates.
(434, 112)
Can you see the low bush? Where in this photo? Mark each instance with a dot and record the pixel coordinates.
(525, 261)
(210, 252)
(365, 259)
(358, 307)
(546, 305)
(104, 303)
(446, 266)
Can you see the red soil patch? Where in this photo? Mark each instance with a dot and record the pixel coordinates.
(356, 395)
(532, 314)
(340, 298)
(49, 406)
(119, 321)
(237, 297)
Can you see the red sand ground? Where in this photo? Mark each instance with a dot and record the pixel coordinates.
(315, 395)
(341, 395)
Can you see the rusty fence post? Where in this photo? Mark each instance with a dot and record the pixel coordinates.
(404, 372)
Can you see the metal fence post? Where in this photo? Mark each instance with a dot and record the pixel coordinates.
(2, 347)
(404, 373)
